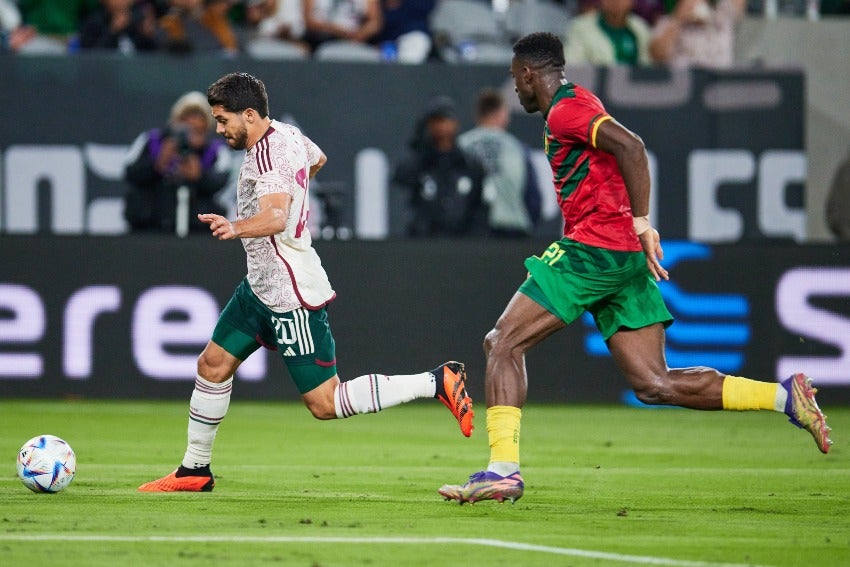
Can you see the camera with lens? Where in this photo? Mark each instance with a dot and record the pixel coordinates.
(181, 139)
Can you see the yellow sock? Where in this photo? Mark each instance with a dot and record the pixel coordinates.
(743, 394)
(503, 431)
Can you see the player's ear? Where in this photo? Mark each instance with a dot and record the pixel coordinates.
(527, 74)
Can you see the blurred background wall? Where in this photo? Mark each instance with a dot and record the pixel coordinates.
(741, 160)
(822, 49)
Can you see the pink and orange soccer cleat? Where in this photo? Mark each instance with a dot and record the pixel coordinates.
(803, 410)
(485, 485)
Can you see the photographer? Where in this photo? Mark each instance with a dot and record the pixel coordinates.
(443, 182)
(181, 161)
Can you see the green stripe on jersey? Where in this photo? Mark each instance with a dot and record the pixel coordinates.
(577, 176)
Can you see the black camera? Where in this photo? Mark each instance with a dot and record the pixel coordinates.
(181, 138)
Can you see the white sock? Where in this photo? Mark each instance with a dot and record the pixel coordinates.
(781, 398)
(207, 408)
(503, 468)
(374, 392)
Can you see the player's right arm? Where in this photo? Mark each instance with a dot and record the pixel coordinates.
(271, 219)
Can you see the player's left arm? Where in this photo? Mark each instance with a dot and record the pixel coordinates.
(629, 151)
(271, 219)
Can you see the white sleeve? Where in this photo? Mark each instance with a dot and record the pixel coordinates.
(314, 152)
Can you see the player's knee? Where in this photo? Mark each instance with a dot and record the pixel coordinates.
(322, 413)
(653, 393)
(320, 400)
(321, 409)
(490, 340)
(495, 342)
(212, 369)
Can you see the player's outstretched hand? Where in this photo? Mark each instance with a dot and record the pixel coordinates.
(220, 227)
(651, 242)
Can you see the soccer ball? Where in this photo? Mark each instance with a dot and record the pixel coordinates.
(46, 464)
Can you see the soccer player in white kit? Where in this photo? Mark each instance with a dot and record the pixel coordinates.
(281, 303)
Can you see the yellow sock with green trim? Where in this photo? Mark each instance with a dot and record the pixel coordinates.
(742, 394)
(503, 431)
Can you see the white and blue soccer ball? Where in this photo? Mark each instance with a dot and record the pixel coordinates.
(46, 464)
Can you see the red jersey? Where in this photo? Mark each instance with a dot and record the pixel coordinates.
(588, 183)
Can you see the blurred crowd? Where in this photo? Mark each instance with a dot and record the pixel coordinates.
(478, 182)
(601, 32)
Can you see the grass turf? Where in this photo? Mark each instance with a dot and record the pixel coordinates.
(604, 485)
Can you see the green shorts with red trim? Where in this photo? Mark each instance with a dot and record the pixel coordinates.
(616, 287)
(302, 337)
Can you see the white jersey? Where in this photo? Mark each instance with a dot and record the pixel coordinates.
(284, 270)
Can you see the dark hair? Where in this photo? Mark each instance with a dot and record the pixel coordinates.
(541, 49)
(489, 101)
(239, 91)
(441, 106)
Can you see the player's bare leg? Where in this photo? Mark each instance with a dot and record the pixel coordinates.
(372, 393)
(640, 355)
(207, 408)
(523, 324)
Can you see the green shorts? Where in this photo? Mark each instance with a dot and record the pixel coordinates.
(303, 338)
(617, 288)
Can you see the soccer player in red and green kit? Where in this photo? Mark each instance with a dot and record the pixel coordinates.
(607, 263)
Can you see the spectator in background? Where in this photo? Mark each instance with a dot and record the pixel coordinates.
(444, 182)
(55, 23)
(121, 25)
(183, 154)
(698, 33)
(838, 202)
(276, 22)
(406, 27)
(510, 188)
(608, 35)
(12, 33)
(199, 26)
(358, 21)
(650, 10)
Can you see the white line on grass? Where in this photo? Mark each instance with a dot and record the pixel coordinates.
(639, 559)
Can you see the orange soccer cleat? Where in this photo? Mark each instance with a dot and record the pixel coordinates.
(182, 480)
(451, 390)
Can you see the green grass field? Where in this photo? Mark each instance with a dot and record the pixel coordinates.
(604, 486)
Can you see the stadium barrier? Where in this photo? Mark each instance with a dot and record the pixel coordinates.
(126, 317)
